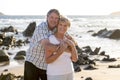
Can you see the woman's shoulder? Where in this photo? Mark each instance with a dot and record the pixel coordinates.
(52, 36)
(53, 39)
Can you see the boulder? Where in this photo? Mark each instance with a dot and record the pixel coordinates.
(29, 30)
(112, 34)
(4, 56)
(20, 55)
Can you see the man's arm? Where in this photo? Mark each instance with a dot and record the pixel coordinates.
(47, 45)
(51, 55)
(71, 38)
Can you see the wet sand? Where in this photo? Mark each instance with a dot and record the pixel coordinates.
(101, 73)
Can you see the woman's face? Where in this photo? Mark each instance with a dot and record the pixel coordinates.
(62, 27)
(53, 20)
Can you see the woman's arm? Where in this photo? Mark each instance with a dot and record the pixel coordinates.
(71, 38)
(74, 56)
(73, 50)
(48, 45)
(51, 55)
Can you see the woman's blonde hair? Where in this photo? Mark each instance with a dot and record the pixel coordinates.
(64, 19)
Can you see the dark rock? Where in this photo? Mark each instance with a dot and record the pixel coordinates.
(76, 67)
(109, 59)
(96, 51)
(89, 67)
(114, 66)
(79, 50)
(5, 70)
(9, 29)
(7, 41)
(112, 34)
(115, 34)
(10, 76)
(29, 30)
(88, 78)
(4, 56)
(100, 33)
(20, 55)
(87, 49)
(102, 53)
(7, 76)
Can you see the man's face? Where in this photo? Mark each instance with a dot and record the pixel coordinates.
(53, 20)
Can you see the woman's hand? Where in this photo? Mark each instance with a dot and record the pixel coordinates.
(69, 43)
(63, 45)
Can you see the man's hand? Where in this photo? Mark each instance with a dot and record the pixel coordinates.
(52, 47)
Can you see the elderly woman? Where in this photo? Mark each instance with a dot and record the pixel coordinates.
(59, 60)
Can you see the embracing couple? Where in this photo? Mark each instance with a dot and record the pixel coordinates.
(51, 50)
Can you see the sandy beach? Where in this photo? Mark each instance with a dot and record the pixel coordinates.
(101, 73)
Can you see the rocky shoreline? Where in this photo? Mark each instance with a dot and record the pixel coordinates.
(92, 64)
